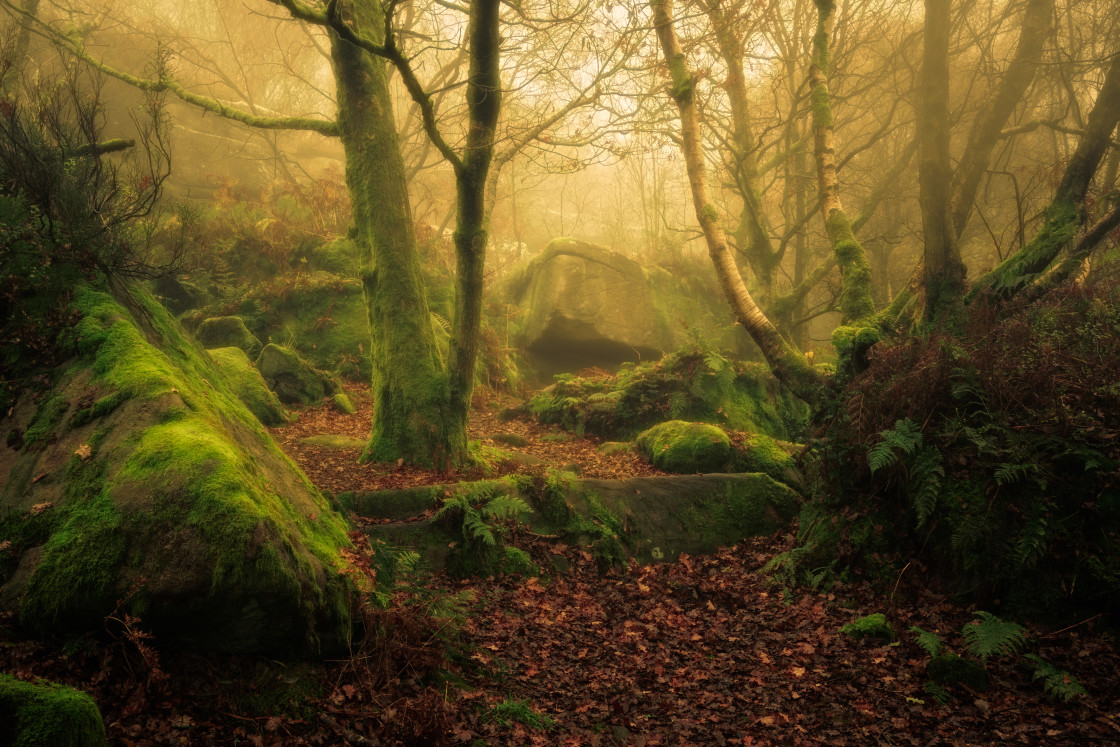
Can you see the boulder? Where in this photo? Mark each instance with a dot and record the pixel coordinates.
(179, 294)
(43, 713)
(228, 332)
(148, 481)
(587, 306)
(293, 379)
(249, 386)
(686, 448)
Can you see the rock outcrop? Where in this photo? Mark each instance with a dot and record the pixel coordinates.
(140, 476)
(587, 306)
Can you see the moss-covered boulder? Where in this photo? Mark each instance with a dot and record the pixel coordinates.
(35, 714)
(686, 448)
(320, 315)
(587, 306)
(228, 332)
(293, 379)
(249, 386)
(761, 453)
(343, 403)
(874, 626)
(151, 482)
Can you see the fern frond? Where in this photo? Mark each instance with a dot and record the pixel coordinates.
(505, 507)
(905, 437)
(992, 636)
(881, 455)
(1009, 473)
(930, 642)
(1056, 682)
(475, 526)
(1032, 544)
(925, 483)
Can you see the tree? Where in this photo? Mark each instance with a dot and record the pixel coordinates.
(421, 403)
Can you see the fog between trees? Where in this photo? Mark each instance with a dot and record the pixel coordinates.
(588, 138)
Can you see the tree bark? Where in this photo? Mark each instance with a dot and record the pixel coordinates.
(855, 272)
(472, 222)
(944, 269)
(409, 384)
(790, 366)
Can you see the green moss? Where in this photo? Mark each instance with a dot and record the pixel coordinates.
(47, 417)
(950, 669)
(708, 213)
(852, 344)
(760, 507)
(293, 379)
(342, 403)
(682, 80)
(228, 332)
(613, 448)
(44, 713)
(822, 107)
(686, 448)
(1062, 221)
(761, 453)
(98, 409)
(192, 500)
(249, 385)
(874, 626)
(333, 441)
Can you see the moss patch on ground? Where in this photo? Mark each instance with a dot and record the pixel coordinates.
(43, 713)
(176, 498)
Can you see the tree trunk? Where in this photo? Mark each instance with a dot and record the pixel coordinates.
(409, 384)
(986, 130)
(944, 269)
(472, 222)
(855, 296)
(1066, 212)
(790, 366)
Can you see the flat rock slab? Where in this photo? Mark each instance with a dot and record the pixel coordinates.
(661, 517)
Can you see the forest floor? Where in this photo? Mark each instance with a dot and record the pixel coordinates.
(336, 468)
(701, 651)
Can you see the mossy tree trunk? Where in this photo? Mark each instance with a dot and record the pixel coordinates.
(1066, 213)
(789, 365)
(409, 382)
(856, 304)
(944, 268)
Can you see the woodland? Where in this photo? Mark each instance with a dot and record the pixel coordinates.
(574, 372)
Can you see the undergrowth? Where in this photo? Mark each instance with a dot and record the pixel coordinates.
(989, 459)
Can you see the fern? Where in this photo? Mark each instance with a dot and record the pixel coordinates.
(925, 483)
(905, 437)
(505, 507)
(991, 635)
(1032, 544)
(1009, 473)
(1056, 682)
(930, 642)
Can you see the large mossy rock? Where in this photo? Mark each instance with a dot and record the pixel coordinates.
(686, 448)
(295, 381)
(43, 713)
(587, 306)
(228, 332)
(249, 386)
(652, 519)
(142, 477)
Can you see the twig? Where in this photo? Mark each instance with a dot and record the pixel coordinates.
(351, 736)
(1071, 627)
